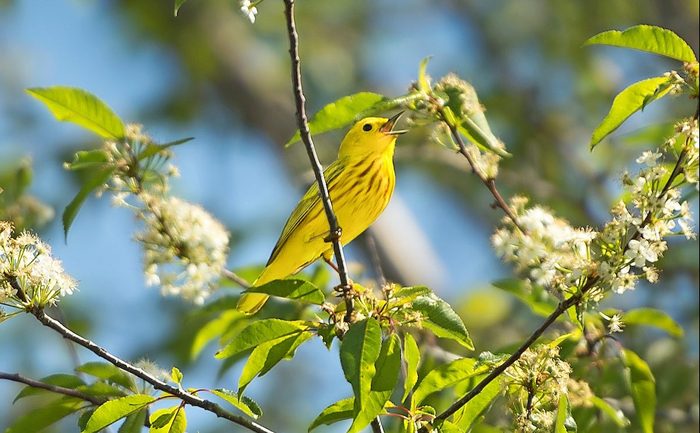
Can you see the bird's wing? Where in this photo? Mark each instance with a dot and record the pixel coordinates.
(309, 201)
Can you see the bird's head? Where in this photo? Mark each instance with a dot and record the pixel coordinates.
(371, 135)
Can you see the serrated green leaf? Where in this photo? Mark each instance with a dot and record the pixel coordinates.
(338, 411)
(177, 6)
(82, 108)
(259, 332)
(114, 410)
(244, 404)
(215, 328)
(632, 99)
(170, 420)
(108, 372)
(134, 422)
(440, 318)
(445, 376)
(63, 380)
(87, 159)
(268, 354)
(176, 375)
(653, 317)
(647, 38)
(465, 417)
(293, 288)
(386, 375)
(411, 355)
(39, 418)
(345, 111)
(69, 213)
(358, 353)
(641, 382)
(616, 415)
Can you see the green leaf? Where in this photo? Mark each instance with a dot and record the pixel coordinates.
(653, 317)
(88, 159)
(632, 99)
(259, 332)
(64, 380)
(540, 305)
(114, 410)
(153, 148)
(69, 213)
(268, 354)
(616, 415)
(134, 422)
(411, 354)
(343, 112)
(170, 420)
(440, 318)
(82, 108)
(445, 376)
(406, 295)
(176, 375)
(423, 81)
(102, 389)
(297, 289)
(338, 411)
(214, 328)
(178, 5)
(560, 423)
(465, 417)
(448, 427)
(641, 382)
(108, 372)
(387, 369)
(647, 38)
(39, 418)
(358, 353)
(244, 404)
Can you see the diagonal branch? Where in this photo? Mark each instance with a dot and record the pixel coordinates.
(303, 125)
(16, 377)
(488, 181)
(186, 397)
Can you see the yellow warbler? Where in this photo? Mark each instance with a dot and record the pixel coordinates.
(360, 183)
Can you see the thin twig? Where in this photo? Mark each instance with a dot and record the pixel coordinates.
(489, 182)
(303, 125)
(186, 397)
(230, 275)
(15, 377)
(561, 308)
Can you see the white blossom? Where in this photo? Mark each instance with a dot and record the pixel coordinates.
(249, 10)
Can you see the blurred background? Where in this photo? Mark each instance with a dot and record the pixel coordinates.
(211, 74)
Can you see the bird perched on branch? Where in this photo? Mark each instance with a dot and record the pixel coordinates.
(360, 183)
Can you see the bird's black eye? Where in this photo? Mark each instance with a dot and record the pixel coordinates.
(366, 127)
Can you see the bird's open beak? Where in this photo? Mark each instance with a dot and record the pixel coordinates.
(388, 127)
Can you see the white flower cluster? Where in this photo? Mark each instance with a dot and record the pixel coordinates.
(29, 275)
(551, 252)
(185, 247)
(535, 382)
(563, 259)
(249, 9)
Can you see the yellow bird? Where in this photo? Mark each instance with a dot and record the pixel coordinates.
(360, 182)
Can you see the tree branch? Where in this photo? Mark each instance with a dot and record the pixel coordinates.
(16, 377)
(489, 182)
(303, 125)
(186, 397)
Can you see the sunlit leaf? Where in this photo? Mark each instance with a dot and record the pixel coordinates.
(423, 82)
(108, 372)
(134, 422)
(114, 410)
(652, 317)
(465, 417)
(296, 289)
(88, 159)
(170, 420)
(82, 108)
(244, 404)
(176, 375)
(259, 332)
(647, 38)
(445, 376)
(41, 417)
(441, 319)
(338, 411)
(632, 99)
(215, 328)
(643, 388)
(411, 355)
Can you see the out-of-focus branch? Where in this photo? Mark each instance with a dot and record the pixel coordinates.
(303, 125)
(15, 377)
